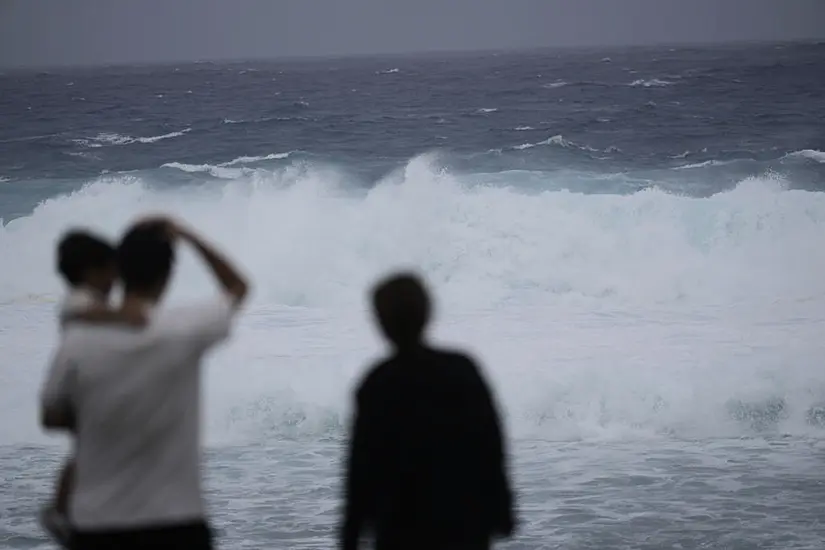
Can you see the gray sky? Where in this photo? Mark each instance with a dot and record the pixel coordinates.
(58, 32)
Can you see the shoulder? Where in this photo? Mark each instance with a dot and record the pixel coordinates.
(215, 309)
(455, 358)
(201, 325)
(461, 367)
(374, 379)
(76, 300)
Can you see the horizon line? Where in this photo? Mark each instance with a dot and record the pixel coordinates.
(46, 67)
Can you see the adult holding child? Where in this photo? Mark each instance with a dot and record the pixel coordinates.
(131, 397)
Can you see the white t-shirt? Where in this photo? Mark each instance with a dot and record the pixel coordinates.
(135, 395)
(77, 300)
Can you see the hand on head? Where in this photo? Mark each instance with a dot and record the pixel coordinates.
(172, 229)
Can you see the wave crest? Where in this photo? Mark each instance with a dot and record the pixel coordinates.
(651, 83)
(310, 239)
(110, 139)
(810, 154)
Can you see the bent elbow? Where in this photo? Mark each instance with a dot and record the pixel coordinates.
(241, 290)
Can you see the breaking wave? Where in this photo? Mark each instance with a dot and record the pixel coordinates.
(110, 139)
(319, 239)
(595, 315)
(652, 83)
(811, 154)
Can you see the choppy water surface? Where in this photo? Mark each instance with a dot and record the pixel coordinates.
(629, 240)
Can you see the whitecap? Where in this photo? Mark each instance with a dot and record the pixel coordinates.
(553, 85)
(557, 140)
(112, 139)
(810, 154)
(652, 83)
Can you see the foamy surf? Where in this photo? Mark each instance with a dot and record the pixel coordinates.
(656, 354)
(314, 240)
(651, 83)
(810, 154)
(225, 170)
(113, 139)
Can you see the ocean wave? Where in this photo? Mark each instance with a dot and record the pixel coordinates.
(652, 83)
(224, 170)
(28, 138)
(554, 85)
(250, 160)
(686, 154)
(82, 154)
(705, 164)
(215, 171)
(112, 139)
(561, 141)
(388, 71)
(486, 110)
(810, 154)
(557, 140)
(267, 119)
(621, 310)
(311, 238)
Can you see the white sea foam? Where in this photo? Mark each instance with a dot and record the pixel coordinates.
(556, 84)
(557, 140)
(595, 315)
(216, 171)
(704, 164)
(109, 139)
(651, 83)
(224, 170)
(249, 160)
(309, 215)
(811, 154)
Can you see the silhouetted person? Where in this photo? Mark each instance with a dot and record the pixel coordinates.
(426, 468)
(133, 397)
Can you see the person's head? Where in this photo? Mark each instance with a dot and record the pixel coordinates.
(85, 260)
(145, 257)
(402, 308)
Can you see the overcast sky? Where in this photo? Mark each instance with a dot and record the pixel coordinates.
(58, 32)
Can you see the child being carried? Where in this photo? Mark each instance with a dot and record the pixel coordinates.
(88, 264)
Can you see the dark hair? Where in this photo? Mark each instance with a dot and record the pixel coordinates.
(79, 251)
(145, 258)
(402, 307)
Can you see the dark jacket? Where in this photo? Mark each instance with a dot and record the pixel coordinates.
(426, 464)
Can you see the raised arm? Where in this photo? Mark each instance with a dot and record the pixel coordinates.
(227, 275)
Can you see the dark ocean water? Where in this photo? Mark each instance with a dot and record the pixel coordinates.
(630, 239)
(638, 114)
